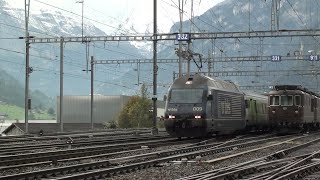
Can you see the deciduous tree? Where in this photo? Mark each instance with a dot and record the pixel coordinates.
(136, 112)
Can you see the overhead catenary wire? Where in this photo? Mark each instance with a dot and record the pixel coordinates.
(51, 59)
(37, 56)
(80, 15)
(228, 42)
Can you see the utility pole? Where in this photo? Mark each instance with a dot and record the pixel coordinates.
(91, 95)
(190, 55)
(188, 59)
(180, 32)
(61, 84)
(209, 63)
(82, 38)
(28, 70)
(155, 69)
(249, 15)
(275, 9)
(82, 2)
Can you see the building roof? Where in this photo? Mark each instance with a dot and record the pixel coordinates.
(52, 128)
(3, 114)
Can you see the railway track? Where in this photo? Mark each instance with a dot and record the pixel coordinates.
(14, 149)
(270, 167)
(53, 156)
(114, 166)
(74, 135)
(65, 157)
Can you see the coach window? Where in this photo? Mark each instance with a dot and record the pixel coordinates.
(297, 100)
(274, 100)
(246, 102)
(312, 104)
(286, 100)
(255, 105)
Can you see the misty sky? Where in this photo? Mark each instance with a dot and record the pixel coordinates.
(138, 13)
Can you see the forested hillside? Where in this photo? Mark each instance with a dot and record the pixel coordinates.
(12, 94)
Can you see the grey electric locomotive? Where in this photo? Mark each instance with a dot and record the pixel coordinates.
(199, 106)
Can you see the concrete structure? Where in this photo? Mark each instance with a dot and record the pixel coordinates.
(3, 124)
(76, 115)
(49, 128)
(7, 123)
(76, 109)
(3, 116)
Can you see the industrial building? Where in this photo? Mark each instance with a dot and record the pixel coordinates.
(76, 109)
(76, 115)
(49, 128)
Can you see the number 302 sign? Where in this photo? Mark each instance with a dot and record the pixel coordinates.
(183, 37)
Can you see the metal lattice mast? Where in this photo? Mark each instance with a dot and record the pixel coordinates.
(275, 9)
(27, 100)
(155, 69)
(193, 36)
(218, 59)
(61, 85)
(180, 31)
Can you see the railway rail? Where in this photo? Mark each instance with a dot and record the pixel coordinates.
(55, 155)
(114, 166)
(288, 157)
(273, 166)
(14, 149)
(74, 135)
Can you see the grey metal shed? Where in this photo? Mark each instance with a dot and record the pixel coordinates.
(76, 109)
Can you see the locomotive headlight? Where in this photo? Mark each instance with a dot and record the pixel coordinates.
(296, 112)
(197, 117)
(172, 116)
(273, 112)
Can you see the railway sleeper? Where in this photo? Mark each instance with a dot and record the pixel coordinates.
(302, 171)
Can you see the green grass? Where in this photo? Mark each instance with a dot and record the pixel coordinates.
(15, 112)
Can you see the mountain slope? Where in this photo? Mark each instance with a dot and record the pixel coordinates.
(110, 79)
(12, 92)
(45, 58)
(234, 16)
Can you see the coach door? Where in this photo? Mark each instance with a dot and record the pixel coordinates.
(253, 110)
(314, 108)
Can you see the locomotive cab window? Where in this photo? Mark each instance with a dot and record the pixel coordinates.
(274, 100)
(297, 100)
(286, 100)
(186, 96)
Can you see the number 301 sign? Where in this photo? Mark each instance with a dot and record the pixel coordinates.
(275, 58)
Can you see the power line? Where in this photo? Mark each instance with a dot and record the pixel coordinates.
(296, 13)
(80, 15)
